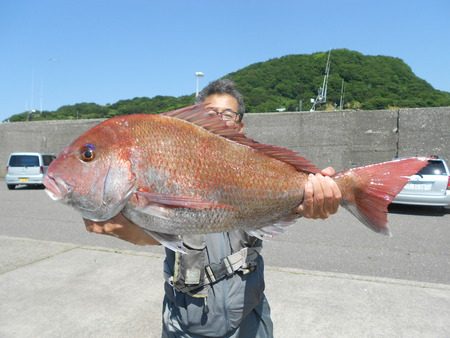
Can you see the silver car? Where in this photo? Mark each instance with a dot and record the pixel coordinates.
(430, 186)
(27, 169)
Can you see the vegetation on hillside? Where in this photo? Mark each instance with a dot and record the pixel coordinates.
(137, 105)
(370, 82)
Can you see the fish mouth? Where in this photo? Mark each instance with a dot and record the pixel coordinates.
(56, 188)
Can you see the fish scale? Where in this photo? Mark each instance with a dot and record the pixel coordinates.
(252, 195)
(198, 170)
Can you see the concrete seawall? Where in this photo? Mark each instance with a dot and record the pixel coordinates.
(341, 139)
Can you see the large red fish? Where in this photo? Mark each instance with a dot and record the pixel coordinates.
(186, 172)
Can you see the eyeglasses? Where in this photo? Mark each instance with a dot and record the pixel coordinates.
(227, 114)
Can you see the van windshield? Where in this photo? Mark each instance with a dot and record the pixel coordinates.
(24, 161)
(48, 159)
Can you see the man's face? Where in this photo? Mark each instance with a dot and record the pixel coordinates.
(226, 106)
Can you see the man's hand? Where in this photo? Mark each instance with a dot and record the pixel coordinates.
(321, 197)
(122, 228)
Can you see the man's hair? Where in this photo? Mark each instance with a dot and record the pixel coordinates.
(223, 86)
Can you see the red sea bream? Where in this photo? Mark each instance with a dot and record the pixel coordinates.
(187, 172)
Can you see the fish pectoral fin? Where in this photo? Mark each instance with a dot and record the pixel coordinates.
(155, 211)
(172, 242)
(268, 231)
(176, 201)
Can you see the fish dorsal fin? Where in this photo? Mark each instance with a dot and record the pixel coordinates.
(201, 116)
(205, 118)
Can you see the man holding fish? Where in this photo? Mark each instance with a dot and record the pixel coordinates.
(190, 179)
(234, 304)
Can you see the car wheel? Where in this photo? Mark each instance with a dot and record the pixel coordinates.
(11, 186)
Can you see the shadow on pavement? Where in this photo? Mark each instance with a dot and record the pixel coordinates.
(419, 210)
(29, 187)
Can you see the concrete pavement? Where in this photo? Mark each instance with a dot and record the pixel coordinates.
(52, 289)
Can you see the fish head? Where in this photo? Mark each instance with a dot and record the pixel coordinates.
(93, 174)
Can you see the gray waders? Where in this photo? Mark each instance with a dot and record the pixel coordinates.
(215, 286)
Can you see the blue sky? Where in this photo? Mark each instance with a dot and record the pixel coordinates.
(59, 52)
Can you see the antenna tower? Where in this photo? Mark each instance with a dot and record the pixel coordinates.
(322, 92)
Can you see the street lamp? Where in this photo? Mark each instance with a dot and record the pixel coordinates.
(198, 75)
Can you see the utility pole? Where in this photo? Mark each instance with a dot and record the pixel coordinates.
(341, 101)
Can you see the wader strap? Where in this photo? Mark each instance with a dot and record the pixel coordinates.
(242, 261)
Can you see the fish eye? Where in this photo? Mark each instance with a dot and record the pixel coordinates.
(87, 153)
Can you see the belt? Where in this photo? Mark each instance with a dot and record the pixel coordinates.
(242, 261)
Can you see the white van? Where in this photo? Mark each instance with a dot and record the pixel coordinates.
(27, 169)
(430, 186)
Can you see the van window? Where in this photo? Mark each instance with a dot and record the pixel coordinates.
(47, 159)
(433, 168)
(24, 161)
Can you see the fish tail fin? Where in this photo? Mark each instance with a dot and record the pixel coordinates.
(367, 191)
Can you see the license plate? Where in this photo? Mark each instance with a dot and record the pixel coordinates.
(418, 187)
(23, 179)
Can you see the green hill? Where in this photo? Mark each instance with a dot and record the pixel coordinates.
(370, 82)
